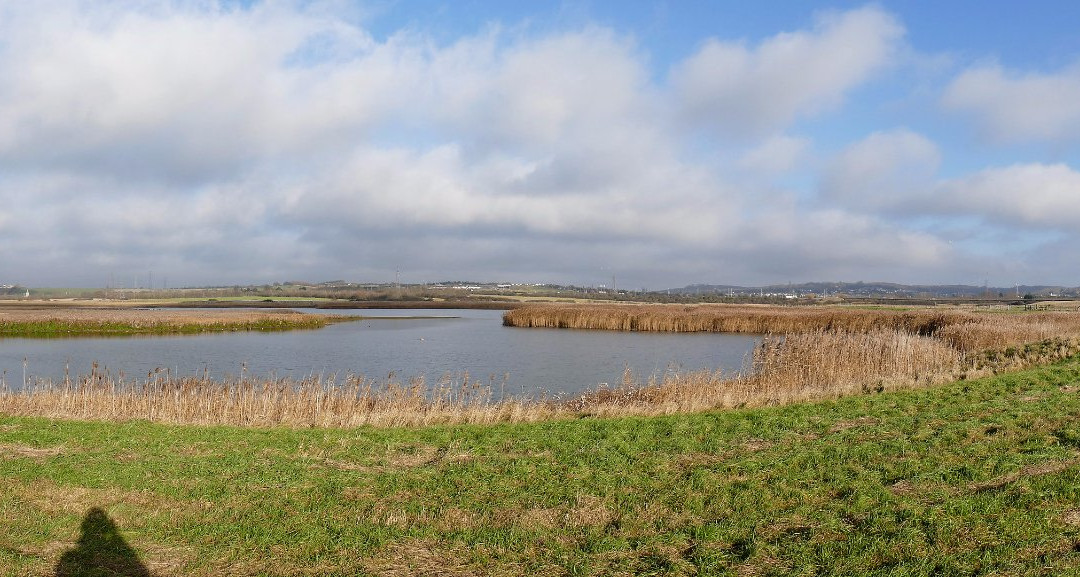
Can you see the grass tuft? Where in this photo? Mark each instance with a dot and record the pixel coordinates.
(975, 477)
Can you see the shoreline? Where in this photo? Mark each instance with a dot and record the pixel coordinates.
(810, 488)
(103, 304)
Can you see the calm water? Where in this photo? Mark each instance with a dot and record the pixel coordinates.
(517, 360)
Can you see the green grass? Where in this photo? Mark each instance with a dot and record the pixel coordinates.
(51, 328)
(971, 478)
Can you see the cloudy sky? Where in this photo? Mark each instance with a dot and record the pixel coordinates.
(661, 142)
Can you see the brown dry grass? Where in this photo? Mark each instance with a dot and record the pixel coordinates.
(1028, 472)
(316, 401)
(796, 368)
(149, 317)
(35, 453)
(1071, 517)
(756, 319)
(424, 557)
(824, 353)
(967, 331)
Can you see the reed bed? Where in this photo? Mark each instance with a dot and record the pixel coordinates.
(80, 322)
(806, 355)
(997, 332)
(967, 331)
(795, 368)
(760, 319)
(316, 401)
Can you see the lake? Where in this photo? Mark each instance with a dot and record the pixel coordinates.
(514, 360)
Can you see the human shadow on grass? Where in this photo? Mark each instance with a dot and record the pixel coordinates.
(101, 550)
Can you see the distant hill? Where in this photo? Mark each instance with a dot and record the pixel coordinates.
(881, 290)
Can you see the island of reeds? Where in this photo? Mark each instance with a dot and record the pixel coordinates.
(805, 355)
(833, 455)
(57, 323)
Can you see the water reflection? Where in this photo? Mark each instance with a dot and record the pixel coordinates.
(516, 360)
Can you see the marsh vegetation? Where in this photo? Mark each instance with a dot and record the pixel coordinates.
(976, 476)
(969, 478)
(70, 322)
(807, 354)
(965, 330)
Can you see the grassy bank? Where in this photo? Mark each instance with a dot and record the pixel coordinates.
(52, 323)
(969, 478)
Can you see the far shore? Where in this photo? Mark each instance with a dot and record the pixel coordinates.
(252, 303)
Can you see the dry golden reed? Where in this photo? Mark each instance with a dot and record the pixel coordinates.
(316, 401)
(59, 322)
(806, 354)
(756, 319)
(147, 316)
(967, 331)
(800, 367)
(795, 368)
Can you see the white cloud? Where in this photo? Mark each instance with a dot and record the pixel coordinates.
(1011, 106)
(185, 92)
(440, 190)
(231, 143)
(586, 86)
(996, 215)
(1022, 195)
(739, 90)
(188, 128)
(865, 241)
(834, 241)
(887, 170)
(895, 174)
(775, 155)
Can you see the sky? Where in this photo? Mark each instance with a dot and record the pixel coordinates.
(649, 143)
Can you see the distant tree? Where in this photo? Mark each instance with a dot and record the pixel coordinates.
(1029, 297)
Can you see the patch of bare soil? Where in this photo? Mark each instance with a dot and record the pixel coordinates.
(1025, 473)
(13, 451)
(860, 422)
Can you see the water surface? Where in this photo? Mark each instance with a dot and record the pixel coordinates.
(513, 360)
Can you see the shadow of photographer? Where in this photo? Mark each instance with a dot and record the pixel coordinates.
(101, 550)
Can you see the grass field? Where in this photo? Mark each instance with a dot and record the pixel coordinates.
(979, 477)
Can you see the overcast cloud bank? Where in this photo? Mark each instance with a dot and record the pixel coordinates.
(217, 144)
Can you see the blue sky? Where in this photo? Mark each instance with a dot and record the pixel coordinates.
(665, 142)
